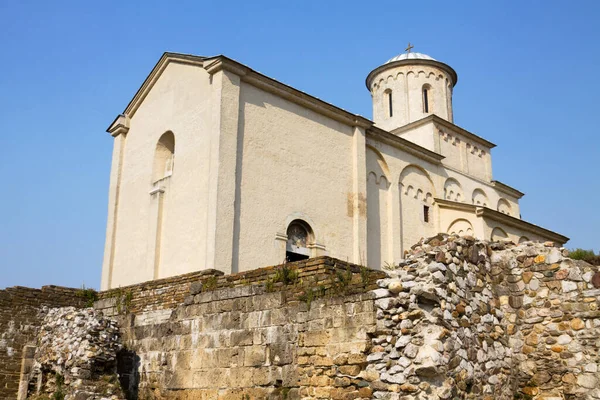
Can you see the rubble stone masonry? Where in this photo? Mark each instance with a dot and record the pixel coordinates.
(20, 320)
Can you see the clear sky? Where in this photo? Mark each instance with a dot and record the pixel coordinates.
(528, 81)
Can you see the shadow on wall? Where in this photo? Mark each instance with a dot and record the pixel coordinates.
(128, 368)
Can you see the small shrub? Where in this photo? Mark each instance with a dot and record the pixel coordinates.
(341, 281)
(269, 285)
(585, 255)
(365, 276)
(210, 283)
(286, 275)
(90, 295)
(122, 300)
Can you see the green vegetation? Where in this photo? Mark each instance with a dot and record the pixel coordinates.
(210, 284)
(60, 382)
(365, 276)
(90, 295)
(286, 275)
(122, 300)
(585, 255)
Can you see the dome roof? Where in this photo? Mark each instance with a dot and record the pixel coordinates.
(410, 56)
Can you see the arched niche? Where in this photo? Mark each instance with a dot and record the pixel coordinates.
(504, 207)
(300, 236)
(164, 157)
(453, 190)
(524, 239)
(415, 182)
(460, 227)
(498, 234)
(479, 198)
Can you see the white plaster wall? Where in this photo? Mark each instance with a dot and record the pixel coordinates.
(178, 102)
(406, 83)
(378, 210)
(423, 135)
(294, 163)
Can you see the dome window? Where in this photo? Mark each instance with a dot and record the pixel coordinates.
(426, 90)
(390, 103)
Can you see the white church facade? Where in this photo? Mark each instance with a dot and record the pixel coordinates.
(217, 166)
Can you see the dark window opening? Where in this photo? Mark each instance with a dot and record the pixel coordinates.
(390, 104)
(299, 238)
(425, 101)
(426, 213)
(291, 257)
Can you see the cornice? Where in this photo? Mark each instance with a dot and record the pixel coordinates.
(386, 137)
(299, 97)
(413, 61)
(488, 213)
(120, 126)
(507, 189)
(455, 205)
(440, 121)
(212, 66)
(519, 223)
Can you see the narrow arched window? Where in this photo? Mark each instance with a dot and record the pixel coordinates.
(390, 102)
(164, 157)
(299, 236)
(426, 99)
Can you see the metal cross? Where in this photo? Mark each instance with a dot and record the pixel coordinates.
(409, 48)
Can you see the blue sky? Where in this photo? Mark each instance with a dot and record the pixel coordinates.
(528, 81)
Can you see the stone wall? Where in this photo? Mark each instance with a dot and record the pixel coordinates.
(19, 323)
(292, 331)
(469, 319)
(458, 318)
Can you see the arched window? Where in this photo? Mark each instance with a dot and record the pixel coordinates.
(390, 103)
(164, 157)
(299, 237)
(426, 92)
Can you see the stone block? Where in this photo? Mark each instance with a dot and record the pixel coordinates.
(254, 356)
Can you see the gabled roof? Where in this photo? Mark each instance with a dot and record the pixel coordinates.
(151, 79)
(216, 63)
(440, 121)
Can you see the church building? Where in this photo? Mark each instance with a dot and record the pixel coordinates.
(216, 165)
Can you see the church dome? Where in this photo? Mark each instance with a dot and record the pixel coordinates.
(410, 56)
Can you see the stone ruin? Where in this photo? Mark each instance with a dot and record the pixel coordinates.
(459, 318)
(471, 319)
(76, 355)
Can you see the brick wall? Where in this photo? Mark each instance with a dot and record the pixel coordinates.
(19, 322)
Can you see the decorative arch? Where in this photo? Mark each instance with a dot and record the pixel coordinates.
(164, 157)
(453, 190)
(460, 227)
(376, 164)
(415, 177)
(504, 206)
(479, 198)
(378, 224)
(418, 213)
(498, 234)
(524, 239)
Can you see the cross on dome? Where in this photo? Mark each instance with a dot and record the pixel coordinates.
(409, 48)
